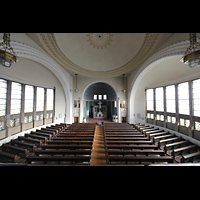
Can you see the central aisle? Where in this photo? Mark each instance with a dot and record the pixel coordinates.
(99, 151)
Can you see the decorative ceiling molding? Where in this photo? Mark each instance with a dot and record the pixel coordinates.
(99, 39)
(49, 42)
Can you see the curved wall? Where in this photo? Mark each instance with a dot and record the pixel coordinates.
(163, 68)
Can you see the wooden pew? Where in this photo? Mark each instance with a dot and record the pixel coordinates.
(63, 146)
(140, 159)
(135, 146)
(138, 142)
(72, 138)
(69, 142)
(152, 132)
(77, 133)
(8, 157)
(42, 138)
(169, 140)
(136, 151)
(46, 159)
(62, 152)
(179, 144)
(29, 146)
(46, 131)
(190, 157)
(23, 152)
(42, 134)
(125, 138)
(123, 133)
(30, 140)
(181, 150)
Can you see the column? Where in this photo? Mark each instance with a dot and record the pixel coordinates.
(119, 110)
(81, 111)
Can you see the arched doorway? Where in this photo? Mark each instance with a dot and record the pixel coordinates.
(99, 102)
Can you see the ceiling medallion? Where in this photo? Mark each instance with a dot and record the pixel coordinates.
(99, 39)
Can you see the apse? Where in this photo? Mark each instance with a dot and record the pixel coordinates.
(100, 88)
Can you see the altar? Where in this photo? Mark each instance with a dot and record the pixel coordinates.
(100, 111)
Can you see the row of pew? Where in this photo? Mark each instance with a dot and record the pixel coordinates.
(126, 144)
(181, 150)
(17, 150)
(71, 146)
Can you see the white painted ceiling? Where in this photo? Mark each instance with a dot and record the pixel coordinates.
(121, 49)
(100, 54)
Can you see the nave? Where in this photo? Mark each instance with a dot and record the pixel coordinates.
(90, 144)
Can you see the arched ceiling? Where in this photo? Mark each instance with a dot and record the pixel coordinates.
(99, 54)
(100, 88)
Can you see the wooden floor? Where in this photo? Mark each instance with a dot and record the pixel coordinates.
(99, 152)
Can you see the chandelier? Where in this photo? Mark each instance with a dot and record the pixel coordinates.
(7, 54)
(76, 90)
(192, 54)
(124, 89)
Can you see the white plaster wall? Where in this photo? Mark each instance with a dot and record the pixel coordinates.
(30, 72)
(166, 72)
(26, 48)
(84, 82)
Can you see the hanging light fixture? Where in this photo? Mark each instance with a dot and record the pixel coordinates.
(192, 54)
(7, 54)
(123, 90)
(76, 90)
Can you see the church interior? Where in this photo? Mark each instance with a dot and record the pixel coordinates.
(99, 99)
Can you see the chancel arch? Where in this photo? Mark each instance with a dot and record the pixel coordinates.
(99, 101)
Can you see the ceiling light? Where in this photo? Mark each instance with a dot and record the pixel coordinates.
(76, 90)
(7, 54)
(123, 90)
(192, 54)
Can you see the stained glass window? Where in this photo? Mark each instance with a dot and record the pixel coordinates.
(2, 127)
(184, 122)
(159, 99)
(29, 95)
(37, 117)
(14, 122)
(41, 117)
(51, 115)
(49, 99)
(17, 122)
(40, 99)
(169, 119)
(173, 120)
(183, 98)
(162, 118)
(25, 120)
(16, 91)
(30, 119)
(3, 94)
(150, 103)
(196, 97)
(197, 126)
(170, 98)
